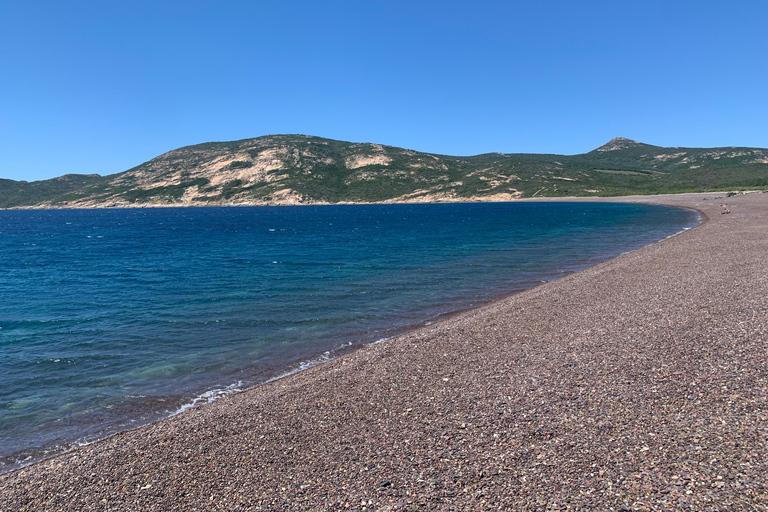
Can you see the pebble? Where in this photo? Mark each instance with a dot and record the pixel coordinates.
(637, 384)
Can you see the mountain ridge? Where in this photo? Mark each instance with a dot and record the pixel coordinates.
(303, 169)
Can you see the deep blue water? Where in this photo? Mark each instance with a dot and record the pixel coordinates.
(113, 318)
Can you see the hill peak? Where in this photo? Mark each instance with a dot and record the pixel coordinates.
(618, 143)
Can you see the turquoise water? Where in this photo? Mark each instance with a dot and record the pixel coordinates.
(113, 318)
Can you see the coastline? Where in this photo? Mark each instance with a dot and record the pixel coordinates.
(429, 199)
(504, 405)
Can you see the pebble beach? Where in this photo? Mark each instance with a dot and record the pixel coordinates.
(637, 384)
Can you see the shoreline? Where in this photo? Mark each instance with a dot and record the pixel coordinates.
(177, 403)
(498, 198)
(487, 407)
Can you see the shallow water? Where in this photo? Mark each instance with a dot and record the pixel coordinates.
(113, 318)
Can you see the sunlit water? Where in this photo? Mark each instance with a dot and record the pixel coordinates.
(113, 318)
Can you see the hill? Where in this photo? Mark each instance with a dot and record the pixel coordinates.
(299, 169)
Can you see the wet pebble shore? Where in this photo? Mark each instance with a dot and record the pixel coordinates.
(637, 384)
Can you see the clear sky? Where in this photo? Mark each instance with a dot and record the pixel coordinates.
(101, 86)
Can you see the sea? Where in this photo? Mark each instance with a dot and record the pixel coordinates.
(114, 318)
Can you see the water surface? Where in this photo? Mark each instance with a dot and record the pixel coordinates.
(113, 318)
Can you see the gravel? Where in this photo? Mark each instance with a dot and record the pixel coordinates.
(637, 384)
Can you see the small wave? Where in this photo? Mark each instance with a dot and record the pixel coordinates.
(683, 230)
(304, 365)
(324, 357)
(210, 396)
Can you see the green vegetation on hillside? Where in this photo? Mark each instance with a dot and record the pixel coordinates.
(21, 193)
(283, 169)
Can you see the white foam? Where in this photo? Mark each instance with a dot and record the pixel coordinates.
(304, 365)
(210, 396)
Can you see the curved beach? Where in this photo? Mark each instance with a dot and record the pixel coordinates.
(636, 384)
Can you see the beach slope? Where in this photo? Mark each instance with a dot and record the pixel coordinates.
(636, 384)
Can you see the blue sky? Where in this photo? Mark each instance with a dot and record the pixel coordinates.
(99, 87)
